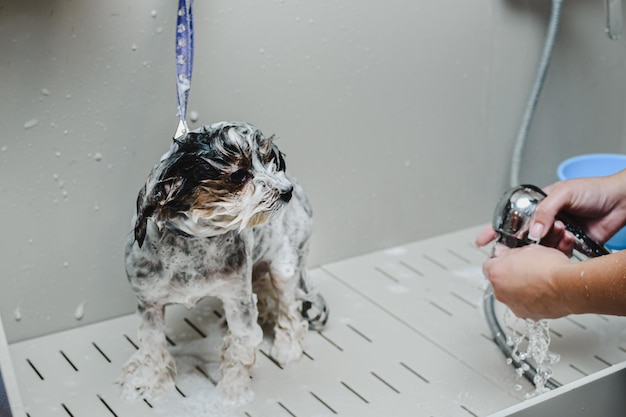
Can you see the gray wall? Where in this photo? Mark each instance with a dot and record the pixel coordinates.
(398, 117)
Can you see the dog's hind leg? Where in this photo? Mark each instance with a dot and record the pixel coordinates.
(238, 351)
(149, 372)
(313, 306)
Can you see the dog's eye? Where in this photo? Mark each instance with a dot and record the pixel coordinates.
(239, 177)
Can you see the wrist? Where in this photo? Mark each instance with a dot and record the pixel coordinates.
(570, 288)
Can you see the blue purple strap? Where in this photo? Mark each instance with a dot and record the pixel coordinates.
(184, 61)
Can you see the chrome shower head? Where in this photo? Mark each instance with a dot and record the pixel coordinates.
(514, 213)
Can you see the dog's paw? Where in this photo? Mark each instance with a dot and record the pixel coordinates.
(235, 387)
(147, 376)
(288, 338)
(286, 351)
(315, 311)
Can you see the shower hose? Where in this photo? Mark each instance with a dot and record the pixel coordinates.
(497, 332)
(535, 92)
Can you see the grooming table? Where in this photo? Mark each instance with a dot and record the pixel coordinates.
(406, 337)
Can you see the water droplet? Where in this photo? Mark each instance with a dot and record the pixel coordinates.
(80, 311)
(29, 124)
(97, 156)
(17, 314)
(96, 208)
(261, 51)
(133, 47)
(57, 154)
(45, 91)
(4, 148)
(159, 30)
(194, 116)
(153, 13)
(66, 264)
(68, 96)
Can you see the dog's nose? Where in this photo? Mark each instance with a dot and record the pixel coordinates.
(286, 194)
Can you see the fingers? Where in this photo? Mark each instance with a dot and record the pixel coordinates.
(560, 238)
(485, 236)
(545, 214)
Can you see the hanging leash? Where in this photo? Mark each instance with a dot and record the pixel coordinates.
(184, 62)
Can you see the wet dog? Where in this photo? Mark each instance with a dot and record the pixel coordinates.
(219, 216)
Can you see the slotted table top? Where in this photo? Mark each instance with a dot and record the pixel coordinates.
(406, 337)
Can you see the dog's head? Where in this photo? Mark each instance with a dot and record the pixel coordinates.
(226, 176)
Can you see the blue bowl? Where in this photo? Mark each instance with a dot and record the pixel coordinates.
(596, 165)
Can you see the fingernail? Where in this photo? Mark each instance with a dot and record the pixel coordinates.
(535, 232)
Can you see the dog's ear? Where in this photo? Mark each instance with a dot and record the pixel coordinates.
(280, 158)
(150, 202)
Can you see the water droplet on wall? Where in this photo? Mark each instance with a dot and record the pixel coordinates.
(153, 13)
(17, 314)
(80, 311)
(97, 156)
(29, 124)
(194, 116)
(45, 91)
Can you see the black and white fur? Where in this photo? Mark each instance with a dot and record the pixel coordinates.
(219, 216)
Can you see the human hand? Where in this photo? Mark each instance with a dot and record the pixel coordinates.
(524, 280)
(597, 204)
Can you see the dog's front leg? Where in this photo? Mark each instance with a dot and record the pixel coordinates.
(290, 328)
(244, 335)
(149, 372)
